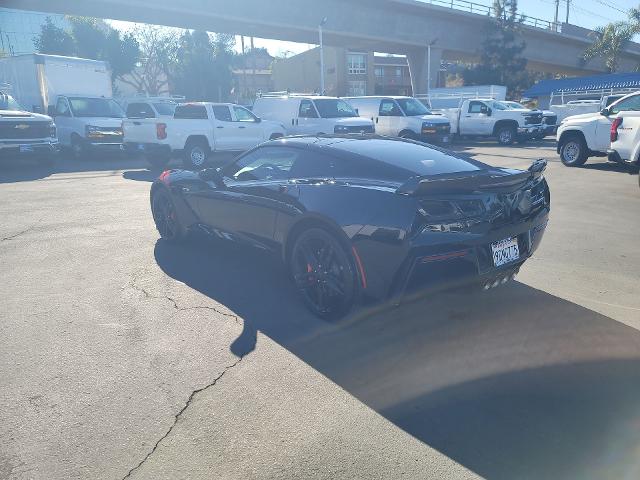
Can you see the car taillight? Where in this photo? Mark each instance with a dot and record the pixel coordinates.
(161, 131)
(614, 128)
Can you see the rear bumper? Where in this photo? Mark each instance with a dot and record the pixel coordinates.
(614, 156)
(440, 261)
(147, 149)
(27, 149)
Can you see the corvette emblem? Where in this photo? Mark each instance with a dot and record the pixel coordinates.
(21, 126)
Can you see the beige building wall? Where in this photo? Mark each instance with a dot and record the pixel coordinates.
(301, 73)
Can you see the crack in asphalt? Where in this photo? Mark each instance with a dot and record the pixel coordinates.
(179, 414)
(135, 285)
(16, 235)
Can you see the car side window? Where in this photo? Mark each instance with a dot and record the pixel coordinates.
(307, 109)
(140, 110)
(222, 113)
(627, 105)
(477, 107)
(243, 115)
(389, 108)
(62, 108)
(191, 112)
(266, 163)
(314, 165)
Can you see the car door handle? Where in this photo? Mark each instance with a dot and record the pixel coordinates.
(220, 127)
(242, 127)
(137, 123)
(467, 116)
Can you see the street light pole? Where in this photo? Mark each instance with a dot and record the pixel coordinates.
(324, 20)
(429, 45)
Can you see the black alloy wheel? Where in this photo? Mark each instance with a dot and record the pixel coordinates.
(165, 217)
(323, 273)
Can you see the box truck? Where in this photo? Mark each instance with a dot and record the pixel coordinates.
(76, 92)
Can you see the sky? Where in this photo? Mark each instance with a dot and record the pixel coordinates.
(584, 13)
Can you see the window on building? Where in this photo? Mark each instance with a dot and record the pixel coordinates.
(357, 63)
(398, 71)
(379, 71)
(356, 88)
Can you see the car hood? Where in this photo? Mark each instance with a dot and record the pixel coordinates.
(353, 121)
(582, 118)
(22, 115)
(433, 119)
(101, 121)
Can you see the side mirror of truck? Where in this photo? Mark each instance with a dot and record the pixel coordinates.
(258, 119)
(605, 112)
(489, 112)
(51, 111)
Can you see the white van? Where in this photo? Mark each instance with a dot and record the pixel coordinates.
(403, 117)
(312, 115)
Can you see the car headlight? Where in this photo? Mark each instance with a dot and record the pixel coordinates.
(52, 130)
(91, 130)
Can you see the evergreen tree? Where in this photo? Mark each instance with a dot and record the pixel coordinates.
(53, 40)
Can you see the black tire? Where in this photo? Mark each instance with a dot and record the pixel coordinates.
(573, 151)
(166, 217)
(158, 163)
(78, 149)
(329, 290)
(506, 134)
(196, 154)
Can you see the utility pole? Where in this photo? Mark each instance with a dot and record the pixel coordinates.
(555, 18)
(568, 3)
(322, 23)
(430, 44)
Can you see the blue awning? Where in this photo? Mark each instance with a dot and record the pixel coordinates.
(595, 82)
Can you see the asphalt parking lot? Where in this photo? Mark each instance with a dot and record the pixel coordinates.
(124, 357)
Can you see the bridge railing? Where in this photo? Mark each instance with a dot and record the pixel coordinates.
(472, 7)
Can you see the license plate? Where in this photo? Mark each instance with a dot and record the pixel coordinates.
(26, 148)
(505, 251)
(429, 130)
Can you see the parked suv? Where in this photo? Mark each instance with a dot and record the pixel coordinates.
(196, 130)
(403, 117)
(312, 115)
(589, 135)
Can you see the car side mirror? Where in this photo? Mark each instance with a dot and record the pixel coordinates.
(258, 120)
(489, 112)
(51, 111)
(212, 175)
(605, 112)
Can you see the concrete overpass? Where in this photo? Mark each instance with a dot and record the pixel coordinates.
(391, 26)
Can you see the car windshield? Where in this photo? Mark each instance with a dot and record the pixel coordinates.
(334, 108)
(7, 102)
(165, 108)
(95, 107)
(499, 105)
(412, 107)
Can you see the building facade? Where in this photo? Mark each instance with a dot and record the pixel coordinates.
(19, 29)
(347, 73)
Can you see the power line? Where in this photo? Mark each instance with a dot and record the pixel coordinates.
(602, 2)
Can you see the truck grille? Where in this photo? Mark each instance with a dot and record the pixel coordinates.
(535, 119)
(20, 130)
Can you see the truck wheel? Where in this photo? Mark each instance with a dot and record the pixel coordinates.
(77, 148)
(506, 135)
(196, 153)
(573, 151)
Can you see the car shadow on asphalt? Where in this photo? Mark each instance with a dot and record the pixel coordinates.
(513, 383)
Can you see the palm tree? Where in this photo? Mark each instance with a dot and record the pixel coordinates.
(609, 42)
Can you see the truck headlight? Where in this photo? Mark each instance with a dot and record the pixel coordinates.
(92, 131)
(340, 129)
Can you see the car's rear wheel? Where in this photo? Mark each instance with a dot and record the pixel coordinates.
(323, 273)
(573, 151)
(196, 153)
(166, 218)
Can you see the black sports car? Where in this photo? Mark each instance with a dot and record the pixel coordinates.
(368, 215)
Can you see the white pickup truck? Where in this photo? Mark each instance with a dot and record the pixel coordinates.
(24, 134)
(491, 118)
(625, 139)
(195, 131)
(588, 135)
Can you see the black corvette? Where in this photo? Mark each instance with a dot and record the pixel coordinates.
(364, 216)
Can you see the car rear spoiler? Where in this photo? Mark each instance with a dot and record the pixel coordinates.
(467, 182)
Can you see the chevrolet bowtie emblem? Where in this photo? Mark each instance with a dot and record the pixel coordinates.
(21, 126)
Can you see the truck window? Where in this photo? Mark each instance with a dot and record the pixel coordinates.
(243, 115)
(95, 107)
(477, 107)
(334, 108)
(165, 108)
(412, 107)
(8, 103)
(140, 110)
(222, 113)
(627, 105)
(62, 108)
(307, 110)
(389, 108)
(191, 112)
